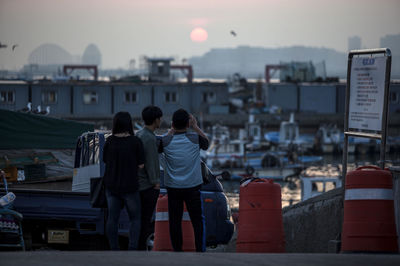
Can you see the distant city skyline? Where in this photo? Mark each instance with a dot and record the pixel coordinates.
(126, 29)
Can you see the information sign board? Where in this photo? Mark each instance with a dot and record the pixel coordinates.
(367, 98)
(367, 93)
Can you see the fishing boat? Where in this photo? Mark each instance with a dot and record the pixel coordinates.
(289, 134)
(234, 157)
(327, 139)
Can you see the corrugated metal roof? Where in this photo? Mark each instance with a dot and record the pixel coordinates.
(13, 82)
(160, 59)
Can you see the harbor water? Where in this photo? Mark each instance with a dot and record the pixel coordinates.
(329, 167)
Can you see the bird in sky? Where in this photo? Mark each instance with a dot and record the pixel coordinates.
(233, 33)
(2, 45)
(14, 46)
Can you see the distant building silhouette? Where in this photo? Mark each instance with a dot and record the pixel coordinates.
(91, 55)
(251, 61)
(393, 43)
(354, 43)
(50, 54)
(48, 59)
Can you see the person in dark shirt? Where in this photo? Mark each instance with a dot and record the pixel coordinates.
(149, 176)
(123, 154)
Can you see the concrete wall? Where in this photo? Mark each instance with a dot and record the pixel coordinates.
(311, 224)
(318, 98)
(341, 98)
(283, 95)
(182, 93)
(220, 91)
(143, 98)
(62, 105)
(100, 109)
(302, 97)
(20, 96)
(111, 97)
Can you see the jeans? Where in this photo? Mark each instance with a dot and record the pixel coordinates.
(148, 198)
(115, 203)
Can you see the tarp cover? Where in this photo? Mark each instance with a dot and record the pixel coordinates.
(32, 131)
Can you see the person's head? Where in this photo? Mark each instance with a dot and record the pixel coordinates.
(180, 119)
(151, 115)
(122, 123)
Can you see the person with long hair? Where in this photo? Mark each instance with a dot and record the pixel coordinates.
(123, 154)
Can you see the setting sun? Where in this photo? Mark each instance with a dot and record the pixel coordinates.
(198, 35)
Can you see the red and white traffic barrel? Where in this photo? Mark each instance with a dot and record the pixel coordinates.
(260, 227)
(162, 240)
(369, 222)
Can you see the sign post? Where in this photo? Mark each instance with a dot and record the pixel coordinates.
(367, 93)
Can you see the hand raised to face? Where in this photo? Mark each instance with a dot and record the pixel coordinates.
(171, 131)
(192, 121)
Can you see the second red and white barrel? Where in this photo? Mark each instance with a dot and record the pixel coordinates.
(369, 222)
(162, 240)
(260, 227)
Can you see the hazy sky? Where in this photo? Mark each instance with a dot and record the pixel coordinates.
(125, 29)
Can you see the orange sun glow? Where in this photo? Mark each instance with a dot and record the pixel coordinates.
(198, 35)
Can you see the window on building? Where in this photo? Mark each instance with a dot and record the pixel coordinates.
(237, 148)
(7, 97)
(209, 97)
(394, 97)
(130, 97)
(49, 97)
(171, 97)
(90, 97)
(160, 68)
(255, 131)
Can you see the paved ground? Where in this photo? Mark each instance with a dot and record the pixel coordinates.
(107, 258)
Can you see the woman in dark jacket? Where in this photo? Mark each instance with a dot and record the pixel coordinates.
(123, 155)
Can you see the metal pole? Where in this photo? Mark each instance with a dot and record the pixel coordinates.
(346, 119)
(344, 161)
(385, 117)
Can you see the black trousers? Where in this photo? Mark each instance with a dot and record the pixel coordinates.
(192, 198)
(148, 199)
